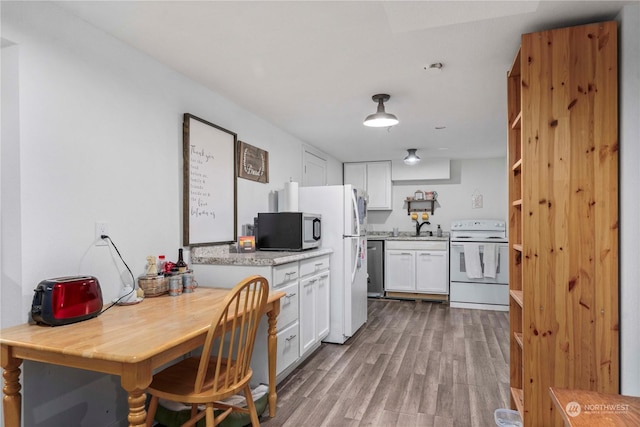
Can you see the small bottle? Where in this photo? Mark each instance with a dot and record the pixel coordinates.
(161, 264)
(182, 266)
(439, 231)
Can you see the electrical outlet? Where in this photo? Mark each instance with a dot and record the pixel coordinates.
(101, 228)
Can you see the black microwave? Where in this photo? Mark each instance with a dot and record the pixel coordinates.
(288, 231)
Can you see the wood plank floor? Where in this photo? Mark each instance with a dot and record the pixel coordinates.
(412, 364)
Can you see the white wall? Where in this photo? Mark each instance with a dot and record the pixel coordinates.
(629, 201)
(94, 133)
(484, 176)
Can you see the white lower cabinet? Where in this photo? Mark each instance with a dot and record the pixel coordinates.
(432, 275)
(308, 313)
(304, 310)
(322, 314)
(400, 270)
(314, 303)
(417, 266)
(289, 305)
(288, 347)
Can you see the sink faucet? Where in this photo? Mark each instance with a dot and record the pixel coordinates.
(419, 226)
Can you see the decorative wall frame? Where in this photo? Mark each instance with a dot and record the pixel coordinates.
(253, 163)
(209, 206)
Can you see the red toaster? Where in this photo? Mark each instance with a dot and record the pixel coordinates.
(65, 300)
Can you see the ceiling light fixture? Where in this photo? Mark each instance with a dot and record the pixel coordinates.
(380, 119)
(412, 158)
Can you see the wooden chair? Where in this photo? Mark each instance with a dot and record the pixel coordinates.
(223, 369)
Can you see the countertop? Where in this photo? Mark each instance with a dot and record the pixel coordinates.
(404, 235)
(224, 255)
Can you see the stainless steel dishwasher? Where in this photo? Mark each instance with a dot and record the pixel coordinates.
(375, 268)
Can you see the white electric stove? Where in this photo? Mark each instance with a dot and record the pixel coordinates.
(477, 280)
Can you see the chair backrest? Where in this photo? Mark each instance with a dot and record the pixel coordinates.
(234, 329)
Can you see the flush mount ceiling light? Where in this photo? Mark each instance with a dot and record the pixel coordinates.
(412, 158)
(381, 118)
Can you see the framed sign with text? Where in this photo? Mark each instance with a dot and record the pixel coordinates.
(209, 183)
(253, 163)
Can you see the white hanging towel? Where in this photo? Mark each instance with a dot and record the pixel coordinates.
(490, 258)
(472, 260)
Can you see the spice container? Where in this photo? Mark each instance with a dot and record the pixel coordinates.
(161, 263)
(175, 285)
(188, 283)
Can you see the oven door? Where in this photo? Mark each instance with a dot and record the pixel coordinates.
(458, 271)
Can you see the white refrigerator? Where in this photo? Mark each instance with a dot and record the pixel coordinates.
(344, 222)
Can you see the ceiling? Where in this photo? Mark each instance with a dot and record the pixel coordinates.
(311, 67)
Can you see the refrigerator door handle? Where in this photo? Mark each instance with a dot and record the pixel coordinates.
(355, 212)
(354, 270)
(355, 264)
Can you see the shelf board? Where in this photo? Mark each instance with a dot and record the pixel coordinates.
(517, 165)
(518, 337)
(518, 398)
(516, 121)
(517, 247)
(514, 71)
(517, 202)
(517, 296)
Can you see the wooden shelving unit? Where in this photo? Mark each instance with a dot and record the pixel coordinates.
(563, 217)
(514, 112)
(425, 205)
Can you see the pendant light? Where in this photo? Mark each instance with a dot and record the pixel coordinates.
(380, 119)
(412, 158)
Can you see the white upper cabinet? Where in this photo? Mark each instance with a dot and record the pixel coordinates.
(375, 179)
(427, 169)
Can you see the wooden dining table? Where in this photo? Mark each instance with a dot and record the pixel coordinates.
(129, 341)
(586, 408)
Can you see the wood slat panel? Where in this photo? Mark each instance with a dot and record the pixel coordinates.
(569, 214)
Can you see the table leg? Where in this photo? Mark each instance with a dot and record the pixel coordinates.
(135, 379)
(273, 351)
(12, 401)
(137, 412)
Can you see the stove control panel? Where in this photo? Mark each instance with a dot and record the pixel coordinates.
(479, 225)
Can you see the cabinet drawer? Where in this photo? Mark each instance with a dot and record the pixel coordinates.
(288, 347)
(285, 273)
(314, 265)
(417, 245)
(288, 305)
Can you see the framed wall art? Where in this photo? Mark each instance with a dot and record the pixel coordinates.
(253, 163)
(209, 183)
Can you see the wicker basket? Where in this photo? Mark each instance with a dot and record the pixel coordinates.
(153, 286)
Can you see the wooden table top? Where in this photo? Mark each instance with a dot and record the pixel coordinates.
(582, 408)
(127, 333)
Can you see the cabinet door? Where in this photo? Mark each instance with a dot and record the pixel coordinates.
(355, 174)
(288, 347)
(308, 289)
(288, 306)
(400, 271)
(322, 306)
(431, 272)
(379, 185)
